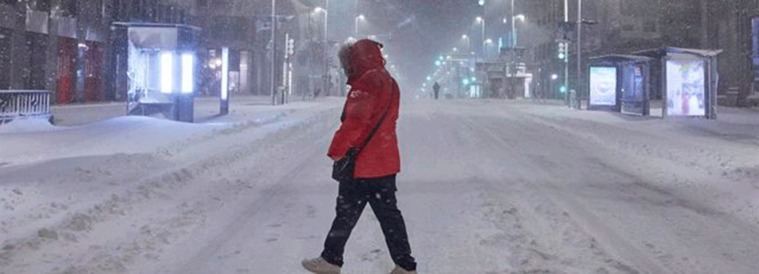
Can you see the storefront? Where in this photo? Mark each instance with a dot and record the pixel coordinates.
(66, 77)
(94, 54)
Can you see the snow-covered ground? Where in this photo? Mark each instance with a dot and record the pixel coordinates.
(486, 187)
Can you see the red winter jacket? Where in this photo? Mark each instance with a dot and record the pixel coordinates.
(373, 90)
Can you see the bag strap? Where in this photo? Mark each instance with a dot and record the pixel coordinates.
(379, 123)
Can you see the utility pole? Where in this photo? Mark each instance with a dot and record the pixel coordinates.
(513, 26)
(273, 70)
(566, 58)
(512, 65)
(579, 54)
(325, 50)
(704, 24)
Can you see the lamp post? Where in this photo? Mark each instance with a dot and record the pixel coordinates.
(481, 21)
(488, 42)
(326, 15)
(513, 68)
(273, 52)
(513, 27)
(521, 18)
(325, 45)
(468, 42)
(566, 59)
(579, 54)
(359, 18)
(580, 22)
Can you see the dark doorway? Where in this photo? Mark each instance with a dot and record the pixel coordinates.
(36, 45)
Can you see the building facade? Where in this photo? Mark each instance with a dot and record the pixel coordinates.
(612, 26)
(733, 25)
(64, 46)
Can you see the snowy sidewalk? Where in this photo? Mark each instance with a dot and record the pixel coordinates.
(205, 108)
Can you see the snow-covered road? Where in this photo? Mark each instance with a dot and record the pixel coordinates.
(486, 187)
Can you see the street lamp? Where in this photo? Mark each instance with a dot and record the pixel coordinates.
(273, 52)
(481, 21)
(468, 41)
(488, 42)
(522, 18)
(580, 22)
(325, 76)
(360, 17)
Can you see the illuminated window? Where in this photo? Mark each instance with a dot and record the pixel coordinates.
(224, 73)
(188, 63)
(167, 72)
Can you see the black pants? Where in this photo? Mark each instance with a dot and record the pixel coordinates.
(380, 194)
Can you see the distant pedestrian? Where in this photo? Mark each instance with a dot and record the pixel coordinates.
(367, 139)
(436, 89)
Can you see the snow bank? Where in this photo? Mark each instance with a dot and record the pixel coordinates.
(29, 140)
(27, 125)
(34, 140)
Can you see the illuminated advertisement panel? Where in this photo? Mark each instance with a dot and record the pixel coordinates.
(603, 86)
(685, 88)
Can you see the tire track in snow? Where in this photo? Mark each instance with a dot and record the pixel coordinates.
(583, 218)
(234, 230)
(686, 223)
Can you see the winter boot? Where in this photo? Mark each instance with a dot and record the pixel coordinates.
(320, 266)
(400, 270)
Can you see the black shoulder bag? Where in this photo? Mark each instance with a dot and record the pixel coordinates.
(342, 170)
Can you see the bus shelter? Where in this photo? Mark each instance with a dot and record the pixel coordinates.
(688, 80)
(620, 83)
(157, 66)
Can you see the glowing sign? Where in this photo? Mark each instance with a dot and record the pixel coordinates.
(167, 71)
(188, 63)
(686, 88)
(224, 73)
(603, 86)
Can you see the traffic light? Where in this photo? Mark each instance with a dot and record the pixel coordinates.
(563, 48)
(563, 89)
(291, 47)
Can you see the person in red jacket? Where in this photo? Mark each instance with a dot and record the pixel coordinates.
(372, 101)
